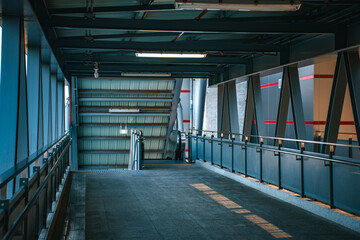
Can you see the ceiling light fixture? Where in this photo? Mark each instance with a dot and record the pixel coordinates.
(146, 74)
(117, 110)
(170, 55)
(235, 5)
(96, 70)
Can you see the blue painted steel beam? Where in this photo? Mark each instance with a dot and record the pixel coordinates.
(116, 58)
(212, 25)
(140, 68)
(209, 45)
(33, 79)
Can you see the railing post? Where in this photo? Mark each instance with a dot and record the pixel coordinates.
(261, 159)
(36, 170)
(302, 169)
(197, 145)
(245, 148)
(24, 182)
(331, 175)
(45, 209)
(204, 146)
(212, 148)
(350, 148)
(279, 163)
(232, 152)
(221, 143)
(4, 205)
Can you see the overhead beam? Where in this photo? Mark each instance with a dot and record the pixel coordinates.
(125, 114)
(210, 45)
(125, 99)
(207, 25)
(125, 91)
(133, 8)
(128, 124)
(113, 58)
(142, 68)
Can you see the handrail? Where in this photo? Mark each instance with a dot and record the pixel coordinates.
(10, 233)
(283, 139)
(9, 174)
(300, 154)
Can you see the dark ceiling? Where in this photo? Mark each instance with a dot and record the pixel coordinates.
(82, 32)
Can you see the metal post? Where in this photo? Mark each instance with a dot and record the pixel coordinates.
(221, 143)
(245, 148)
(232, 153)
(261, 159)
(302, 170)
(204, 147)
(350, 148)
(212, 148)
(279, 163)
(331, 176)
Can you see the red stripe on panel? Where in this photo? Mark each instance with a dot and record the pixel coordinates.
(185, 91)
(186, 121)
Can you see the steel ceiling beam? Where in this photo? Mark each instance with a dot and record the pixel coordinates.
(126, 114)
(210, 45)
(125, 91)
(207, 25)
(106, 58)
(127, 124)
(133, 8)
(141, 68)
(125, 100)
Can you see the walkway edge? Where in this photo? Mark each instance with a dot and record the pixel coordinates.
(326, 213)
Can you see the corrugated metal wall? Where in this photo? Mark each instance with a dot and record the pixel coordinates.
(99, 139)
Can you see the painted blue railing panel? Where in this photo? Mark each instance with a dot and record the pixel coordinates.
(316, 180)
(226, 154)
(290, 173)
(253, 163)
(216, 153)
(239, 159)
(347, 187)
(193, 148)
(208, 149)
(200, 148)
(270, 167)
(316, 176)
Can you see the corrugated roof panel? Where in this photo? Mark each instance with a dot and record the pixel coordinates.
(123, 119)
(102, 131)
(126, 104)
(123, 84)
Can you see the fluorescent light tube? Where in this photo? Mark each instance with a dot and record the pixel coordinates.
(117, 110)
(235, 5)
(145, 74)
(170, 55)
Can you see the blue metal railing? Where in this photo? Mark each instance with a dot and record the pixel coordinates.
(322, 176)
(25, 213)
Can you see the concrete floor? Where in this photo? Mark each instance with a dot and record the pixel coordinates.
(190, 202)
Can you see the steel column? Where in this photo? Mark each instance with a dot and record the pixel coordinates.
(74, 148)
(290, 91)
(253, 107)
(336, 102)
(353, 76)
(13, 99)
(199, 102)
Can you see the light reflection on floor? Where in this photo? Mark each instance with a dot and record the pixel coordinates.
(236, 208)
